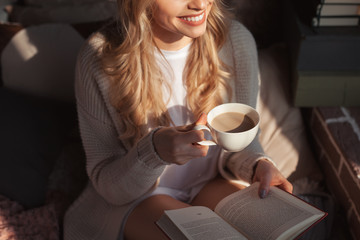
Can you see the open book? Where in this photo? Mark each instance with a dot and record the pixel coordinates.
(243, 215)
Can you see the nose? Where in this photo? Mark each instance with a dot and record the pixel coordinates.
(198, 4)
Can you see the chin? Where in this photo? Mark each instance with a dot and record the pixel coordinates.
(196, 34)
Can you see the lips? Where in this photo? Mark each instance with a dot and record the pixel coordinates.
(194, 20)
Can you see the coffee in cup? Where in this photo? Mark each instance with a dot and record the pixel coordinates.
(233, 126)
(232, 122)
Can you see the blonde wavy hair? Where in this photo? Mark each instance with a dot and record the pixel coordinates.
(136, 81)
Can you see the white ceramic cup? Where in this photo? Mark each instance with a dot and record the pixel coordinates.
(231, 141)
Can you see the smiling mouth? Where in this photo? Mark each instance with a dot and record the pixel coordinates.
(194, 19)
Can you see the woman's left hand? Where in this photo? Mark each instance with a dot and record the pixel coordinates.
(268, 175)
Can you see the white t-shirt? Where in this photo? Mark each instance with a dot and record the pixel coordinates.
(183, 182)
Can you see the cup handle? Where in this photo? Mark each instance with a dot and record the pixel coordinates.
(204, 142)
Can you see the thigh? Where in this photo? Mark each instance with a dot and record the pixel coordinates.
(214, 191)
(141, 222)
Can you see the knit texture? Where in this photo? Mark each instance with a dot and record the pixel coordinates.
(120, 173)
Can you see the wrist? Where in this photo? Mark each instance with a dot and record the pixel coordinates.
(155, 131)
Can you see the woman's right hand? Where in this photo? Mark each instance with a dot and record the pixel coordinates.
(179, 144)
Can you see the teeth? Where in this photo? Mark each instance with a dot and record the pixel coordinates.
(194, 19)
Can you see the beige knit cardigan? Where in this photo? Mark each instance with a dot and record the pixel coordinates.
(119, 173)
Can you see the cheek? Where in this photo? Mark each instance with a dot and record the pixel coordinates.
(165, 18)
(170, 8)
(162, 21)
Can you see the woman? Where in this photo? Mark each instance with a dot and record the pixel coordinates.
(142, 84)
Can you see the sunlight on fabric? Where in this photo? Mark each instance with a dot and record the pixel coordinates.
(25, 51)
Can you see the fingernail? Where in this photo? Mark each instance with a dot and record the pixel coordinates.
(262, 193)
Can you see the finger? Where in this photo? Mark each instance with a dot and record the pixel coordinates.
(202, 120)
(286, 185)
(181, 153)
(186, 128)
(264, 185)
(196, 150)
(191, 137)
(185, 142)
(189, 152)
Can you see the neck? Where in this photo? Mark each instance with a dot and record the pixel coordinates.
(167, 40)
(172, 45)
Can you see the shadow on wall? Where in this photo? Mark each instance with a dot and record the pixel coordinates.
(283, 135)
(262, 17)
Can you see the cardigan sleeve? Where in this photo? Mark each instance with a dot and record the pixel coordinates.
(240, 165)
(120, 174)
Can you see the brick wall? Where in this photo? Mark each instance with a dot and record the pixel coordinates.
(336, 134)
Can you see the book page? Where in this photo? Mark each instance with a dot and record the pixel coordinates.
(266, 218)
(200, 223)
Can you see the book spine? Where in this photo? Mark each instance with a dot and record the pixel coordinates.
(336, 14)
(324, 63)
(327, 21)
(330, 9)
(341, 1)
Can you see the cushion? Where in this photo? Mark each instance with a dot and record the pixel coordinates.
(40, 60)
(33, 132)
(7, 31)
(27, 224)
(283, 133)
